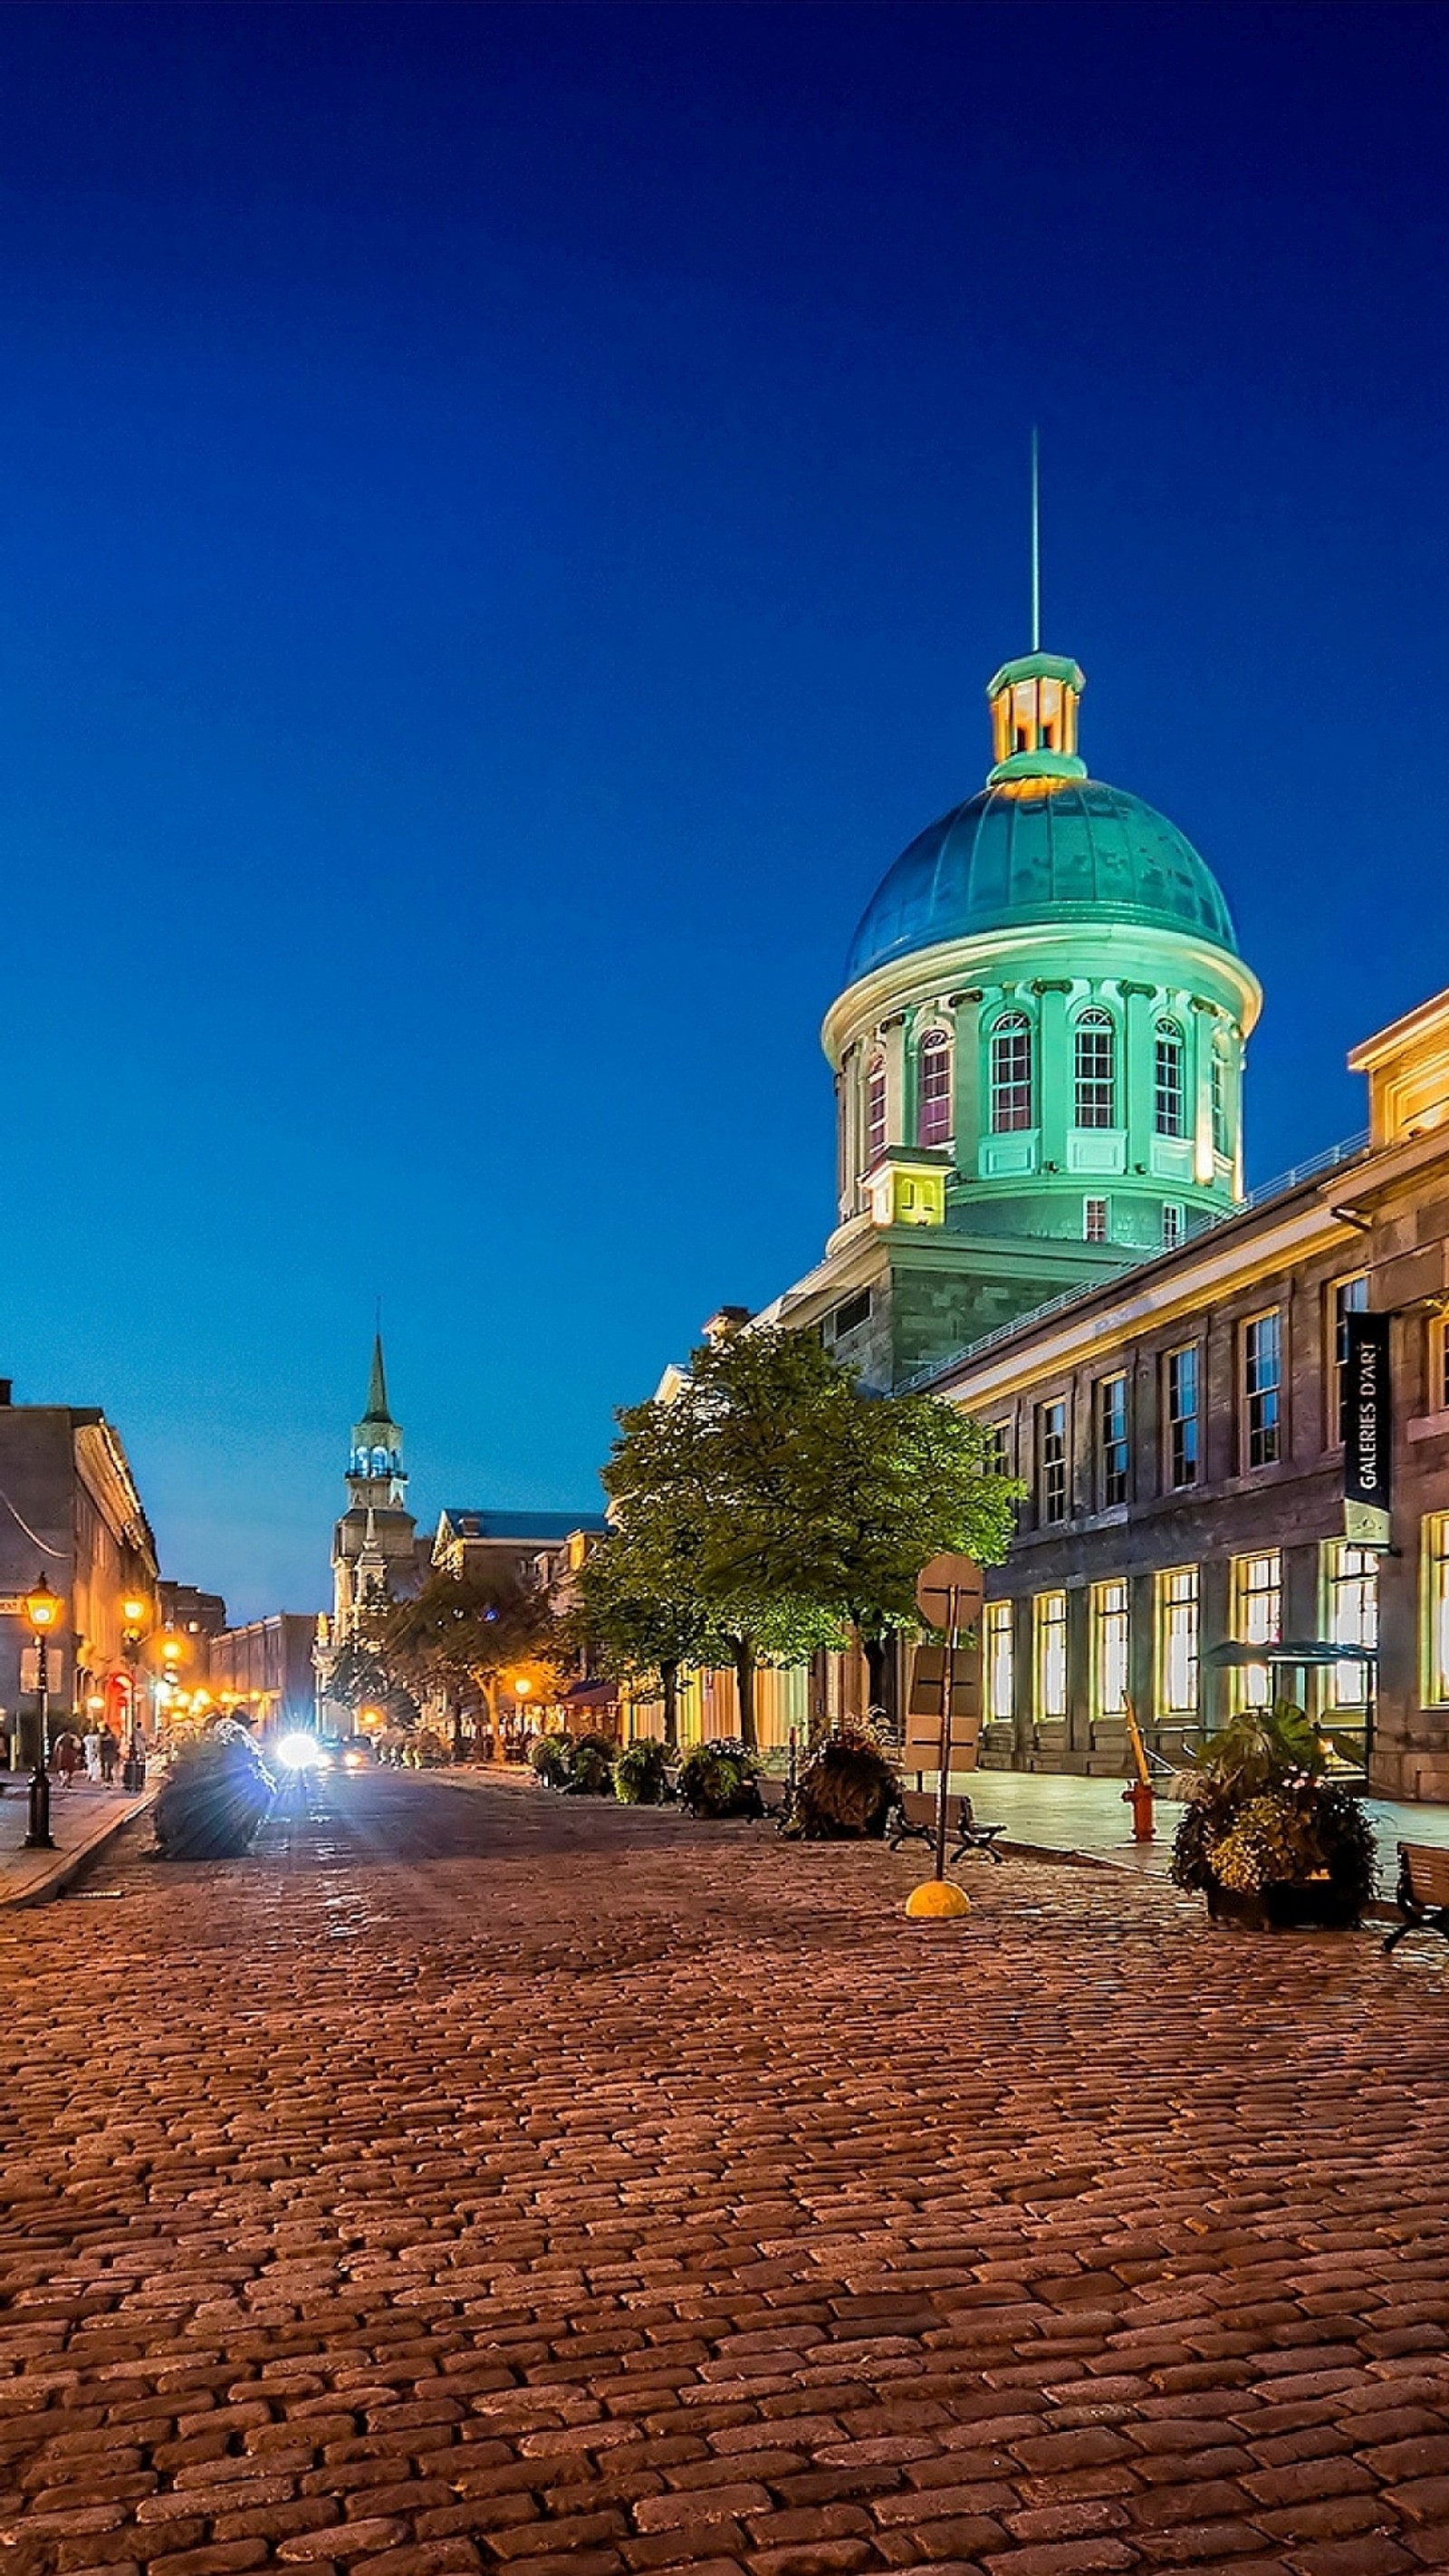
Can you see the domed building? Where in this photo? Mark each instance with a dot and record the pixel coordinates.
(1038, 1052)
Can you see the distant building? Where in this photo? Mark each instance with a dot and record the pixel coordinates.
(263, 1672)
(194, 1614)
(375, 1554)
(70, 1512)
(513, 1546)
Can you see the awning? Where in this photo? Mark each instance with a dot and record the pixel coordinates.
(1301, 1651)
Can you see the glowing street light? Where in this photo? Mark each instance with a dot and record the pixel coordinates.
(42, 1608)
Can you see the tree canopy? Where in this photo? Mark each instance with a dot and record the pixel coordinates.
(772, 1500)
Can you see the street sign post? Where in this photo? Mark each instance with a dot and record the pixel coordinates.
(949, 1594)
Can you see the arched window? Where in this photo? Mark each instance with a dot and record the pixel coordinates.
(933, 1088)
(1011, 1075)
(1170, 1098)
(875, 1110)
(1096, 1104)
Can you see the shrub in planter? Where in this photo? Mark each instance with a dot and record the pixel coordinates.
(591, 1767)
(847, 1788)
(641, 1772)
(215, 1798)
(551, 1760)
(720, 1779)
(1264, 1836)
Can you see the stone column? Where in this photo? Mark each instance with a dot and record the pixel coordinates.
(1215, 1693)
(1138, 1073)
(1079, 1676)
(1054, 1073)
(893, 1047)
(1204, 1020)
(968, 1111)
(1142, 1649)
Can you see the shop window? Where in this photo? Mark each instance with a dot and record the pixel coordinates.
(1049, 1640)
(998, 1654)
(1434, 1600)
(1257, 1620)
(1177, 1641)
(1351, 1617)
(1110, 1649)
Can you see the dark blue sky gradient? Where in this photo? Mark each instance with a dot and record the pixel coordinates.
(505, 517)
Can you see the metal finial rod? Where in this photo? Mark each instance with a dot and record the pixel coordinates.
(1035, 547)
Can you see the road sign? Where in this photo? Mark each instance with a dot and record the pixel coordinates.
(928, 1683)
(950, 1591)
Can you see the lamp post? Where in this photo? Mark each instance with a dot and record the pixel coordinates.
(42, 1608)
(133, 1770)
(521, 1689)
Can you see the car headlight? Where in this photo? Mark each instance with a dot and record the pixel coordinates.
(301, 1753)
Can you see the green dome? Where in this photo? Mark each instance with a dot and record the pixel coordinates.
(1080, 851)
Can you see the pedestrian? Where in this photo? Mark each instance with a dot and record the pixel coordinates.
(92, 1746)
(69, 1757)
(110, 1753)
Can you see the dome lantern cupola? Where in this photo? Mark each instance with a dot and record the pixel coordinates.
(1034, 703)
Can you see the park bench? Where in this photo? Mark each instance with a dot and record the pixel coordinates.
(1422, 1894)
(970, 1837)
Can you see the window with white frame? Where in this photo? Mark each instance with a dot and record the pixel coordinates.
(933, 1098)
(998, 1655)
(1434, 1608)
(1111, 1639)
(1096, 1070)
(1051, 1460)
(1049, 1642)
(1095, 1220)
(1347, 1297)
(875, 1110)
(1114, 1446)
(1174, 1224)
(1011, 1075)
(1182, 1376)
(1177, 1630)
(1262, 1389)
(1169, 1097)
(1351, 1616)
(1257, 1620)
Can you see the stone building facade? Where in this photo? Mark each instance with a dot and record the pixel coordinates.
(1180, 1435)
(70, 1511)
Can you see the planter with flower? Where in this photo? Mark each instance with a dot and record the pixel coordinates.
(721, 1778)
(1266, 1836)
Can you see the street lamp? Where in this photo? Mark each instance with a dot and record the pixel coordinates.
(133, 1612)
(42, 1608)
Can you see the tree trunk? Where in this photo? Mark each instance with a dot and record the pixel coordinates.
(744, 1663)
(669, 1679)
(455, 1704)
(875, 1650)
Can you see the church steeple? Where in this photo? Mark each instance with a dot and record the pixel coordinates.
(376, 1477)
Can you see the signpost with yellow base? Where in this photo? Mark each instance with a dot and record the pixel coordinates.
(949, 1594)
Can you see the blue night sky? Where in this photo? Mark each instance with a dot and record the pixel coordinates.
(505, 517)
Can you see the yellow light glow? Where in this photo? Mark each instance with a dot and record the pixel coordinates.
(43, 1608)
(133, 1612)
(522, 1687)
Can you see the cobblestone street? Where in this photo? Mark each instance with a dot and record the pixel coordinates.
(475, 2178)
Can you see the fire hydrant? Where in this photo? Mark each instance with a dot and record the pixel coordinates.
(1139, 1798)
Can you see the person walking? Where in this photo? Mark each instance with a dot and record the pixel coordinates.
(69, 1758)
(110, 1754)
(91, 1742)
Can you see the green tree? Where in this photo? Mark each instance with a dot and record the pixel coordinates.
(459, 1633)
(772, 1500)
(637, 1615)
(362, 1679)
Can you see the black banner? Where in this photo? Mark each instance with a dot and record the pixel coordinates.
(1368, 1429)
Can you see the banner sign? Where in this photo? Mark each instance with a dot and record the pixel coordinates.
(1368, 1431)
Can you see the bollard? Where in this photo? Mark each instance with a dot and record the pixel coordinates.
(1139, 1798)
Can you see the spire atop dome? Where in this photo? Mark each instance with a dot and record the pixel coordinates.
(375, 1471)
(377, 1386)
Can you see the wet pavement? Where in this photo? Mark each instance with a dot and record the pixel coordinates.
(478, 2179)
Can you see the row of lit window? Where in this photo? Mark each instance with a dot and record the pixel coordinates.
(1259, 1413)
(1350, 1618)
(1013, 1082)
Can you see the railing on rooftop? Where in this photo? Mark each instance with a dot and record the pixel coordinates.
(1328, 1161)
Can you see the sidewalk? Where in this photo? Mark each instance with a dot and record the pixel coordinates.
(1087, 1820)
(82, 1819)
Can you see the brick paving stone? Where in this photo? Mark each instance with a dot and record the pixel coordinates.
(476, 2181)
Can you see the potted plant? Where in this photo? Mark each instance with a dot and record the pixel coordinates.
(1265, 1836)
(216, 1797)
(847, 1788)
(721, 1778)
(550, 1758)
(591, 1766)
(641, 1772)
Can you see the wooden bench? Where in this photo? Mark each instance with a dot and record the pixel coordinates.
(1422, 1895)
(969, 1836)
